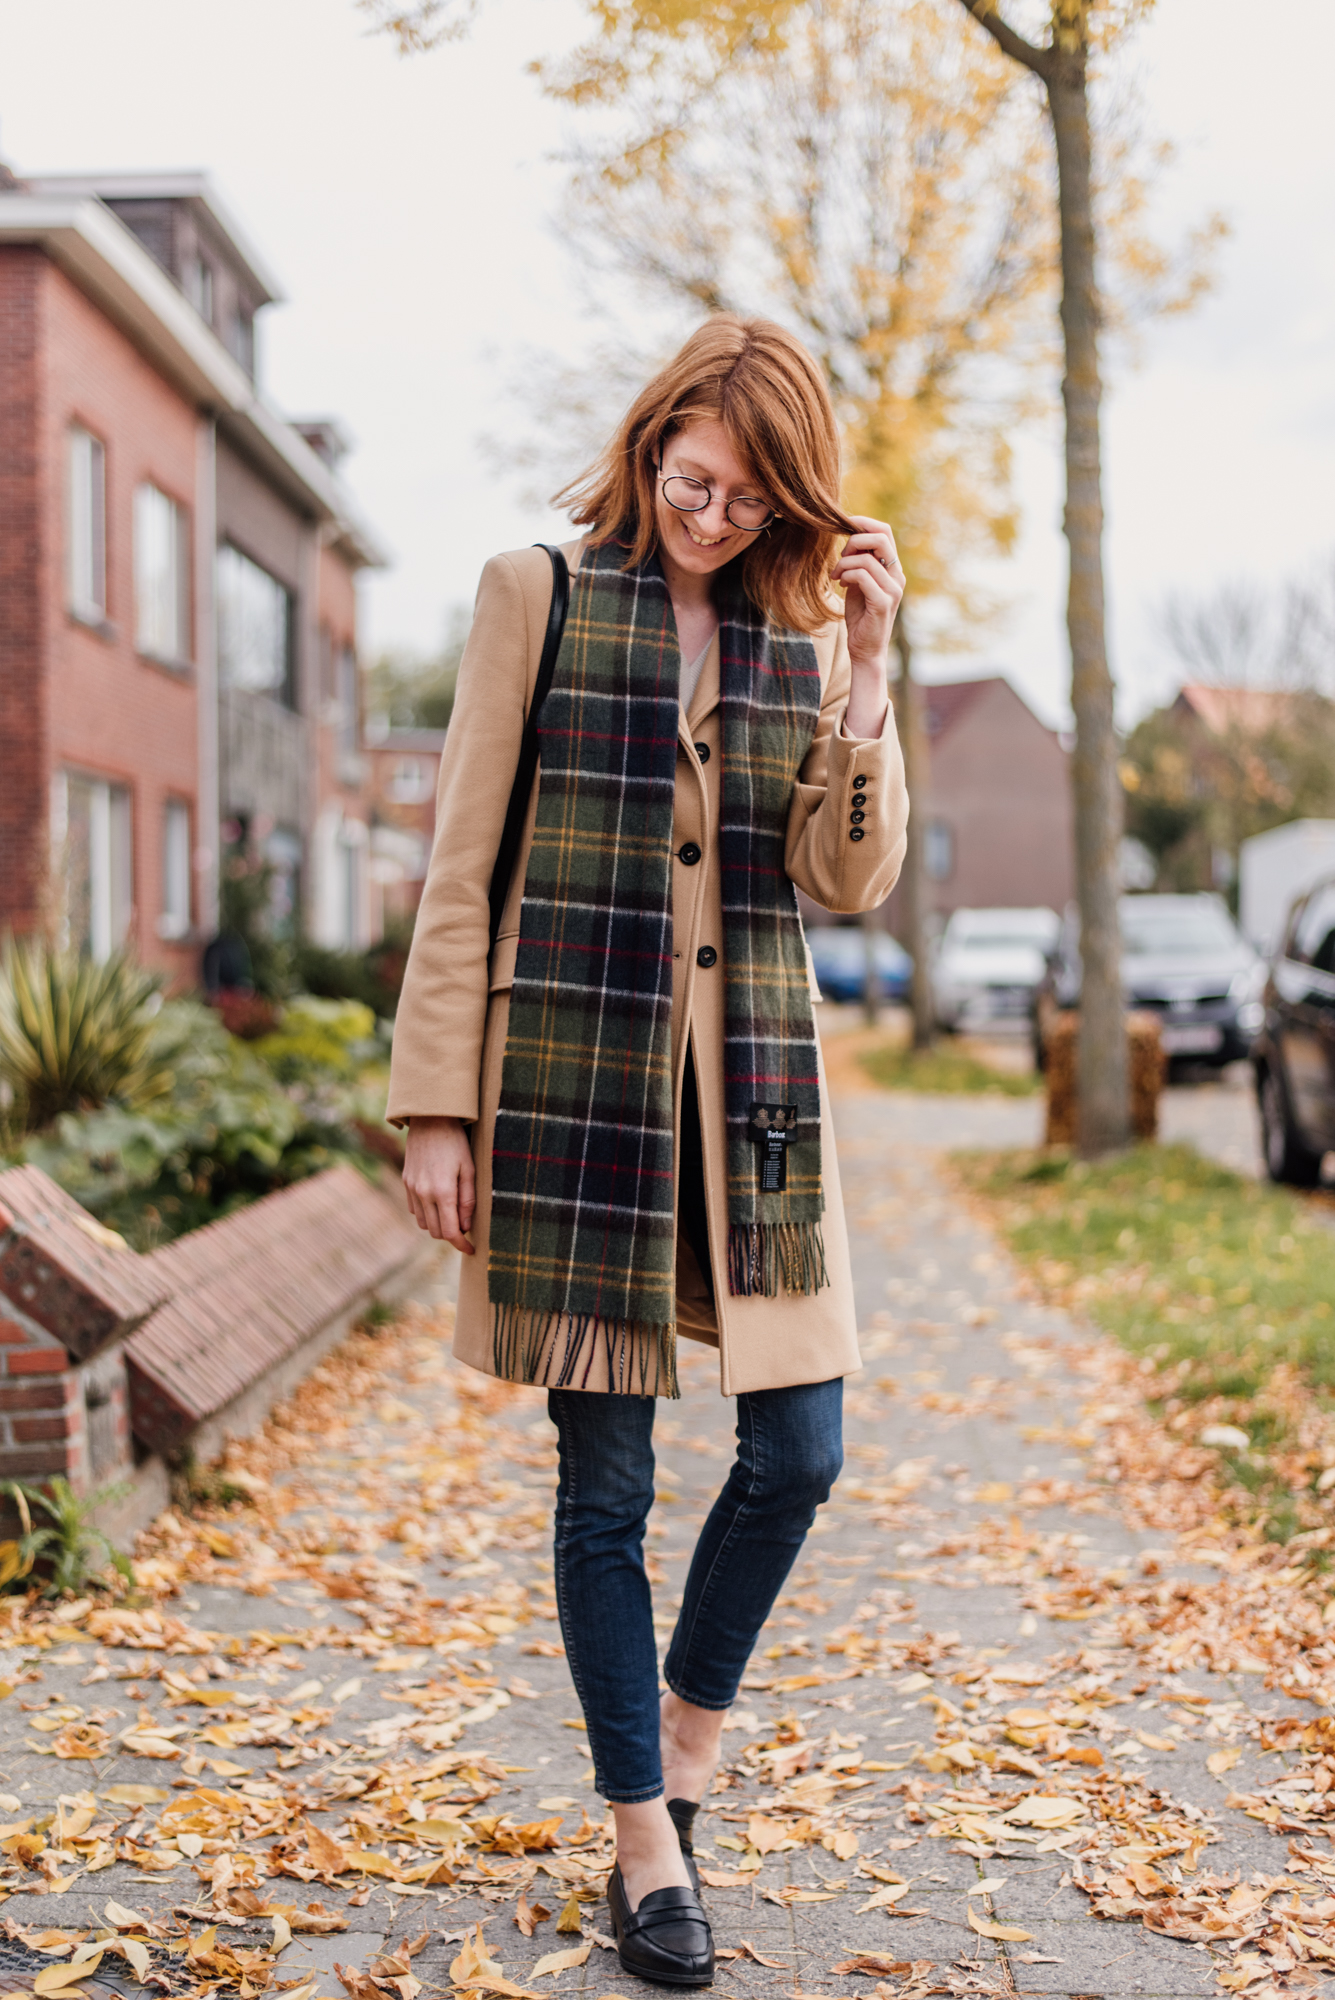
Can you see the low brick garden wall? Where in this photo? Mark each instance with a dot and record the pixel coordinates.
(112, 1363)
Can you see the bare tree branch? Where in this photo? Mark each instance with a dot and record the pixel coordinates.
(1015, 46)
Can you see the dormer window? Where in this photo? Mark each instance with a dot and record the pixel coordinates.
(199, 287)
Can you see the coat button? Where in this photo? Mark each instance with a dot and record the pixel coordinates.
(690, 854)
(857, 833)
(706, 956)
(702, 752)
(857, 818)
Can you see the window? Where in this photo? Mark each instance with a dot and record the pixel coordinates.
(175, 919)
(199, 287)
(938, 850)
(161, 592)
(1314, 937)
(87, 527)
(254, 628)
(412, 783)
(92, 832)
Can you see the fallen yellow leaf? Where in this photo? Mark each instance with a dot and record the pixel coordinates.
(1220, 1761)
(1006, 1933)
(560, 1961)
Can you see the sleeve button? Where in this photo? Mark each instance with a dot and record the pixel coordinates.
(857, 833)
(857, 818)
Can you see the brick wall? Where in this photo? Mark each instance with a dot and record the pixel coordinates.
(116, 714)
(24, 565)
(67, 1301)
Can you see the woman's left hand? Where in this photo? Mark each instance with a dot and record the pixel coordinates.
(870, 572)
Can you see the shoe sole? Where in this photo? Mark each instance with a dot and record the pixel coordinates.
(661, 1978)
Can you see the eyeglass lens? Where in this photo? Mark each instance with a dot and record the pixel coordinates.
(692, 496)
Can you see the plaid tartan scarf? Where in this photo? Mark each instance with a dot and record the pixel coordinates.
(582, 1243)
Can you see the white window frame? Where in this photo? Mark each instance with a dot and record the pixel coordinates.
(86, 526)
(110, 859)
(174, 922)
(161, 576)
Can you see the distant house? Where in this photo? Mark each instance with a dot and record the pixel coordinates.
(178, 637)
(996, 809)
(404, 769)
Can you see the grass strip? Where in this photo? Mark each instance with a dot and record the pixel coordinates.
(1177, 1258)
(946, 1069)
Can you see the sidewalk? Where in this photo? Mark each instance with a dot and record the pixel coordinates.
(978, 1688)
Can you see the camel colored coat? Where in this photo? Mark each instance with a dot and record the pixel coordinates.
(449, 1038)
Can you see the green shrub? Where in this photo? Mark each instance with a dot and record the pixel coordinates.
(74, 1034)
(317, 1038)
(66, 1545)
(226, 1132)
(374, 977)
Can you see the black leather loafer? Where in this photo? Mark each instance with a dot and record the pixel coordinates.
(667, 1939)
(682, 1814)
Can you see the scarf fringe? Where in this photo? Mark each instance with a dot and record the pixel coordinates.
(558, 1350)
(759, 1252)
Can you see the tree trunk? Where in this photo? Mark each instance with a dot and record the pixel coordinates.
(913, 882)
(1104, 1122)
(871, 977)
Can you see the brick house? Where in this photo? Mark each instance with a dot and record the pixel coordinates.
(177, 584)
(404, 771)
(997, 811)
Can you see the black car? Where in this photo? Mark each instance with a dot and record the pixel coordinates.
(1184, 960)
(1294, 1054)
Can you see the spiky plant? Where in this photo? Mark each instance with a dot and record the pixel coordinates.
(74, 1034)
(66, 1543)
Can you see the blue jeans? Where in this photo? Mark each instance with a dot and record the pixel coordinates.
(789, 1454)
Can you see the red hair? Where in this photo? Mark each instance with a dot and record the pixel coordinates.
(760, 383)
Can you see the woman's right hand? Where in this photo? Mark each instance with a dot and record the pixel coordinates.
(439, 1180)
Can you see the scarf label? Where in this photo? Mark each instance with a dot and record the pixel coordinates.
(773, 1128)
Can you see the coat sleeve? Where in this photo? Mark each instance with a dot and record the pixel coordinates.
(436, 1065)
(821, 857)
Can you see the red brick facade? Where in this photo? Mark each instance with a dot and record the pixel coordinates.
(118, 768)
(116, 714)
(24, 691)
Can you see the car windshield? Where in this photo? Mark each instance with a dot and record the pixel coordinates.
(1185, 930)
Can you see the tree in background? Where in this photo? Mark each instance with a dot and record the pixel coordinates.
(636, 46)
(408, 690)
(875, 181)
(1069, 40)
(1250, 742)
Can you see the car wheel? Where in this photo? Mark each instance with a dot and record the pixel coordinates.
(1287, 1159)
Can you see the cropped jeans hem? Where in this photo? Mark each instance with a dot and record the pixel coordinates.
(789, 1454)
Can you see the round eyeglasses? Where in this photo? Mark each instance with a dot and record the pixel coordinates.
(692, 496)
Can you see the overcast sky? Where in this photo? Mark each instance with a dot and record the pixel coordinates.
(404, 204)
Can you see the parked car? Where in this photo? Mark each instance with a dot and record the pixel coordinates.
(989, 964)
(1294, 1053)
(839, 954)
(1184, 959)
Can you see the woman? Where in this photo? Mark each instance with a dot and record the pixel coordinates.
(619, 1118)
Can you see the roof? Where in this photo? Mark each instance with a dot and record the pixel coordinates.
(1224, 708)
(99, 254)
(946, 702)
(189, 185)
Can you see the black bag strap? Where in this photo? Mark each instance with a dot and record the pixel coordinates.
(508, 851)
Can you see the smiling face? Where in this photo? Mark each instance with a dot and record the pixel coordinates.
(695, 545)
